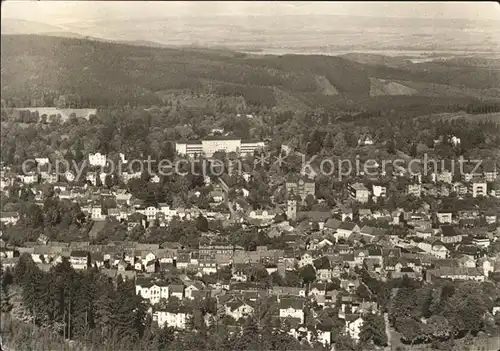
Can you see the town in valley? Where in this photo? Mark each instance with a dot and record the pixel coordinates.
(159, 196)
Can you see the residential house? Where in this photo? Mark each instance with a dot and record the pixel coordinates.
(490, 217)
(358, 192)
(365, 214)
(323, 269)
(456, 273)
(360, 256)
(292, 308)
(460, 188)
(286, 291)
(9, 217)
(414, 189)
(353, 325)
(365, 140)
(346, 229)
(79, 259)
(331, 225)
(379, 191)
(217, 196)
(305, 259)
(97, 160)
(478, 187)
(481, 242)
(263, 215)
(29, 178)
(151, 291)
(191, 287)
(435, 248)
(444, 217)
(450, 235)
(444, 176)
(238, 309)
(176, 290)
(490, 172)
(423, 232)
(176, 317)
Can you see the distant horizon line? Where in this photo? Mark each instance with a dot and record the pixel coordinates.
(446, 19)
(249, 50)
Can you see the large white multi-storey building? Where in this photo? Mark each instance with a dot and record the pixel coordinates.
(210, 145)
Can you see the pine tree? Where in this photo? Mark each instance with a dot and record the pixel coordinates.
(5, 305)
(78, 151)
(104, 305)
(126, 323)
(250, 337)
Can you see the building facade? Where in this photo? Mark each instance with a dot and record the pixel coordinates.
(212, 144)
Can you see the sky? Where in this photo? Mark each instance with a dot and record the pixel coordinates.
(59, 12)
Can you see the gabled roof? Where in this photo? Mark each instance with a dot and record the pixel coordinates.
(236, 303)
(294, 178)
(297, 304)
(315, 216)
(322, 263)
(332, 223)
(347, 226)
(79, 253)
(9, 214)
(176, 288)
(448, 230)
(367, 230)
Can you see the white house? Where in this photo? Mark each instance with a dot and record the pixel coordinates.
(96, 214)
(346, 229)
(9, 217)
(176, 318)
(91, 177)
(155, 179)
(379, 190)
(238, 309)
(41, 161)
(292, 308)
(436, 249)
(478, 188)
(70, 177)
(5, 182)
(262, 215)
(324, 337)
(29, 178)
(167, 211)
(79, 259)
(176, 290)
(444, 217)
(153, 292)
(97, 160)
(123, 159)
(353, 326)
(193, 286)
(123, 197)
(150, 212)
(305, 259)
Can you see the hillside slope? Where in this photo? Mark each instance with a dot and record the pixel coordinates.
(103, 73)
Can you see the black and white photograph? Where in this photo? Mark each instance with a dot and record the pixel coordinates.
(250, 176)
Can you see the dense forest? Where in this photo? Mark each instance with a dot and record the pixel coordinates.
(105, 74)
(92, 309)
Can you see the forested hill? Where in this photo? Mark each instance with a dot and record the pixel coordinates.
(103, 74)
